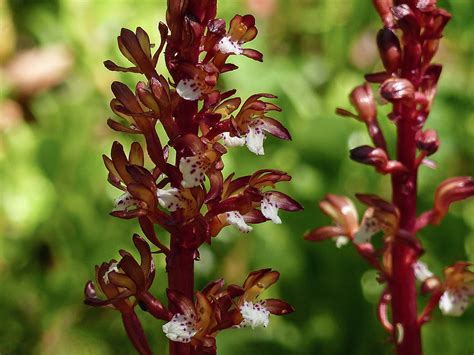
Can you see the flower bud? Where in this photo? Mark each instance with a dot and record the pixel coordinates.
(376, 157)
(395, 89)
(363, 101)
(389, 49)
(383, 8)
(430, 284)
(427, 141)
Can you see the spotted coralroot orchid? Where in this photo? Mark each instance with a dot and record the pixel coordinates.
(177, 183)
(216, 308)
(407, 44)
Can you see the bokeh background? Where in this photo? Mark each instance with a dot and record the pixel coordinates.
(54, 201)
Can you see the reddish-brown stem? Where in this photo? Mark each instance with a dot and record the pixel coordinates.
(402, 281)
(180, 268)
(430, 306)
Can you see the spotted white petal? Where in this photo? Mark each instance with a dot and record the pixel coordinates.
(341, 241)
(254, 314)
(227, 46)
(112, 267)
(193, 170)
(189, 89)
(421, 271)
(454, 302)
(180, 328)
(269, 207)
(170, 199)
(236, 219)
(368, 228)
(125, 201)
(255, 137)
(230, 141)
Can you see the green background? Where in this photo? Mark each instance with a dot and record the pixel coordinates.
(54, 201)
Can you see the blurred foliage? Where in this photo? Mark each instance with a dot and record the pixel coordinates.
(55, 199)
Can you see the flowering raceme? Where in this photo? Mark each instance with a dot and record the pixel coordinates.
(187, 195)
(407, 43)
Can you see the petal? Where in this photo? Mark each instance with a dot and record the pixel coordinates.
(227, 46)
(125, 202)
(171, 199)
(189, 89)
(193, 169)
(180, 328)
(236, 219)
(453, 302)
(113, 267)
(255, 137)
(232, 141)
(421, 271)
(254, 314)
(341, 241)
(368, 228)
(269, 208)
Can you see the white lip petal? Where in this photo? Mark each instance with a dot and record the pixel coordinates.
(255, 137)
(421, 271)
(236, 219)
(369, 227)
(112, 267)
(230, 141)
(170, 199)
(227, 46)
(454, 302)
(180, 328)
(125, 201)
(269, 208)
(188, 89)
(254, 315)
(193, 170)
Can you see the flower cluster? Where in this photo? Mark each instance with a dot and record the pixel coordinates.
(407, 44)
(177, 181)
(217, 308)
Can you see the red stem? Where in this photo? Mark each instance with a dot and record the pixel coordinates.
(402, 281)
(180, 267)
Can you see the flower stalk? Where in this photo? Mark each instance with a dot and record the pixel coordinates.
(188, 196)
(407, 44)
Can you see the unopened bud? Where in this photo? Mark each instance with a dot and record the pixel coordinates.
(430, 284)
(389, 49)
(363, 101)
(395, 89)
(383, 8)
(427, 141)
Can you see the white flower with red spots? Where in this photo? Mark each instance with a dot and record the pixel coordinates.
(232, 141)
(193, 170)
(255, 137)
(171, 199)
(236, 219)
(125, 202)
(422, 273)
(227, 46)
(455, 302)
(458, 287)
(254, 314)
(369, 226)
(269, 207)
(189, 89)
(180, 328)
